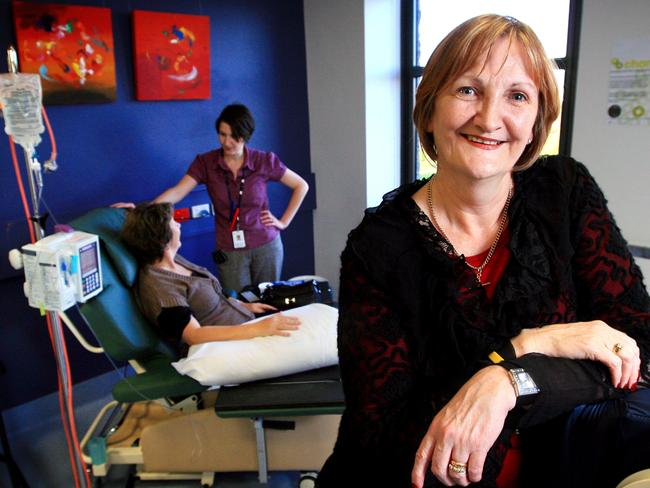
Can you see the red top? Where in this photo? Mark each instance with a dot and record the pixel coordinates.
(496, 266)
(508, 477)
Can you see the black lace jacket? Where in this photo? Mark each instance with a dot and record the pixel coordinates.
(409, 336)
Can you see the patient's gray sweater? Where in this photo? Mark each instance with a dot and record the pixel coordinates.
(168, 299)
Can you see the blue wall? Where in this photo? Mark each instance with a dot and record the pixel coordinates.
(131, 151)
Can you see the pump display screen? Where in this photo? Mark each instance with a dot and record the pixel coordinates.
(88, 259)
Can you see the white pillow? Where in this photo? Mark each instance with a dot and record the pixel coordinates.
(312, 346)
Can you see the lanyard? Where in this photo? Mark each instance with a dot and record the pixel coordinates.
(234, 211)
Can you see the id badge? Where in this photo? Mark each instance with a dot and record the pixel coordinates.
(238, 240)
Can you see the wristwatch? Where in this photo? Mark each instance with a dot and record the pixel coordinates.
(522, 382)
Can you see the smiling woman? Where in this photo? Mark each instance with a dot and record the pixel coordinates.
(493, 302)
(552, 21)
(484, 119)
(507, 72)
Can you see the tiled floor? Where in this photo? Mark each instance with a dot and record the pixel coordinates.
(119, 478)
(38, 445)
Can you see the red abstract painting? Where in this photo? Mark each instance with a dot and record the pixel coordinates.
(171, 56)
(72, 49)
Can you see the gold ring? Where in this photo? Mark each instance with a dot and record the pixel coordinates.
(617, 347)
(456, 467)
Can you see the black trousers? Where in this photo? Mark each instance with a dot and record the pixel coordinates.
(594, 446)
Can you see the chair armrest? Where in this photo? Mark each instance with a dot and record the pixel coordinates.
(163, 382)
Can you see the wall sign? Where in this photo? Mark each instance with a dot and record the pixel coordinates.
(629, 83)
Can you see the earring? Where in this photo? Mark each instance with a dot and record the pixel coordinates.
(530, 140)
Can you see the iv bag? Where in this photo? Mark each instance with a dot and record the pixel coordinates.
(21, 98)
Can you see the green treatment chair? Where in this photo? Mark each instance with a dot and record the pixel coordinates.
(121, 329)
(184, 438)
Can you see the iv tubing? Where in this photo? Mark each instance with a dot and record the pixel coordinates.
(50, 329)
(70, 406)
(73, 427)
(21, 188)
(68, 424)
(53, 153)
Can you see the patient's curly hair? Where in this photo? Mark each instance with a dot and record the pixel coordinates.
(146, 231)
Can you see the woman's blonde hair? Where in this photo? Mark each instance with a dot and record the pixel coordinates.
(457, 52)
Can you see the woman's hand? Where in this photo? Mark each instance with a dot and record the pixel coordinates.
(268, 219)
(466, 428)
(258, 307)
(593, 340)
(277, 324)
(123, 205)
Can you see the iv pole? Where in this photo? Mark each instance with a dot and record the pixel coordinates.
(58, 344)
(15, 474)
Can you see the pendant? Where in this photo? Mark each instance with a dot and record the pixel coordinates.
(480, 284)
(479, 273)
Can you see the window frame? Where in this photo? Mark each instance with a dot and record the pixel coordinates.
(411, 71)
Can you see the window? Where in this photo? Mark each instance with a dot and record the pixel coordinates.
(556, 23)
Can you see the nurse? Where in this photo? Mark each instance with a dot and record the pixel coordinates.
(249, 246)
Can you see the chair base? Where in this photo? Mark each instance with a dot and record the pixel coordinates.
(168, 445)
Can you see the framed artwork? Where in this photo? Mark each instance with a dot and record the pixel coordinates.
(171, 56)
(70, 47)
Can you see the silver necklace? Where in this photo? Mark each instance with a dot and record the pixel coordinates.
(478, 270)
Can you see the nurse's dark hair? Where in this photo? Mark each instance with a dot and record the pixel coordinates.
(146, 231)
(457, 53)
(240, 120)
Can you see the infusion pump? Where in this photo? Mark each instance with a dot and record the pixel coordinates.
(62, 269)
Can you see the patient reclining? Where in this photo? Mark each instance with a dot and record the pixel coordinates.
(185, 301)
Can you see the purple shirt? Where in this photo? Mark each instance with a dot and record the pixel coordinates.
(259, 167)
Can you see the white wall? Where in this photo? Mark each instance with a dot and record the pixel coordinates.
(617, 156)
(334, 40)
(352, 49)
